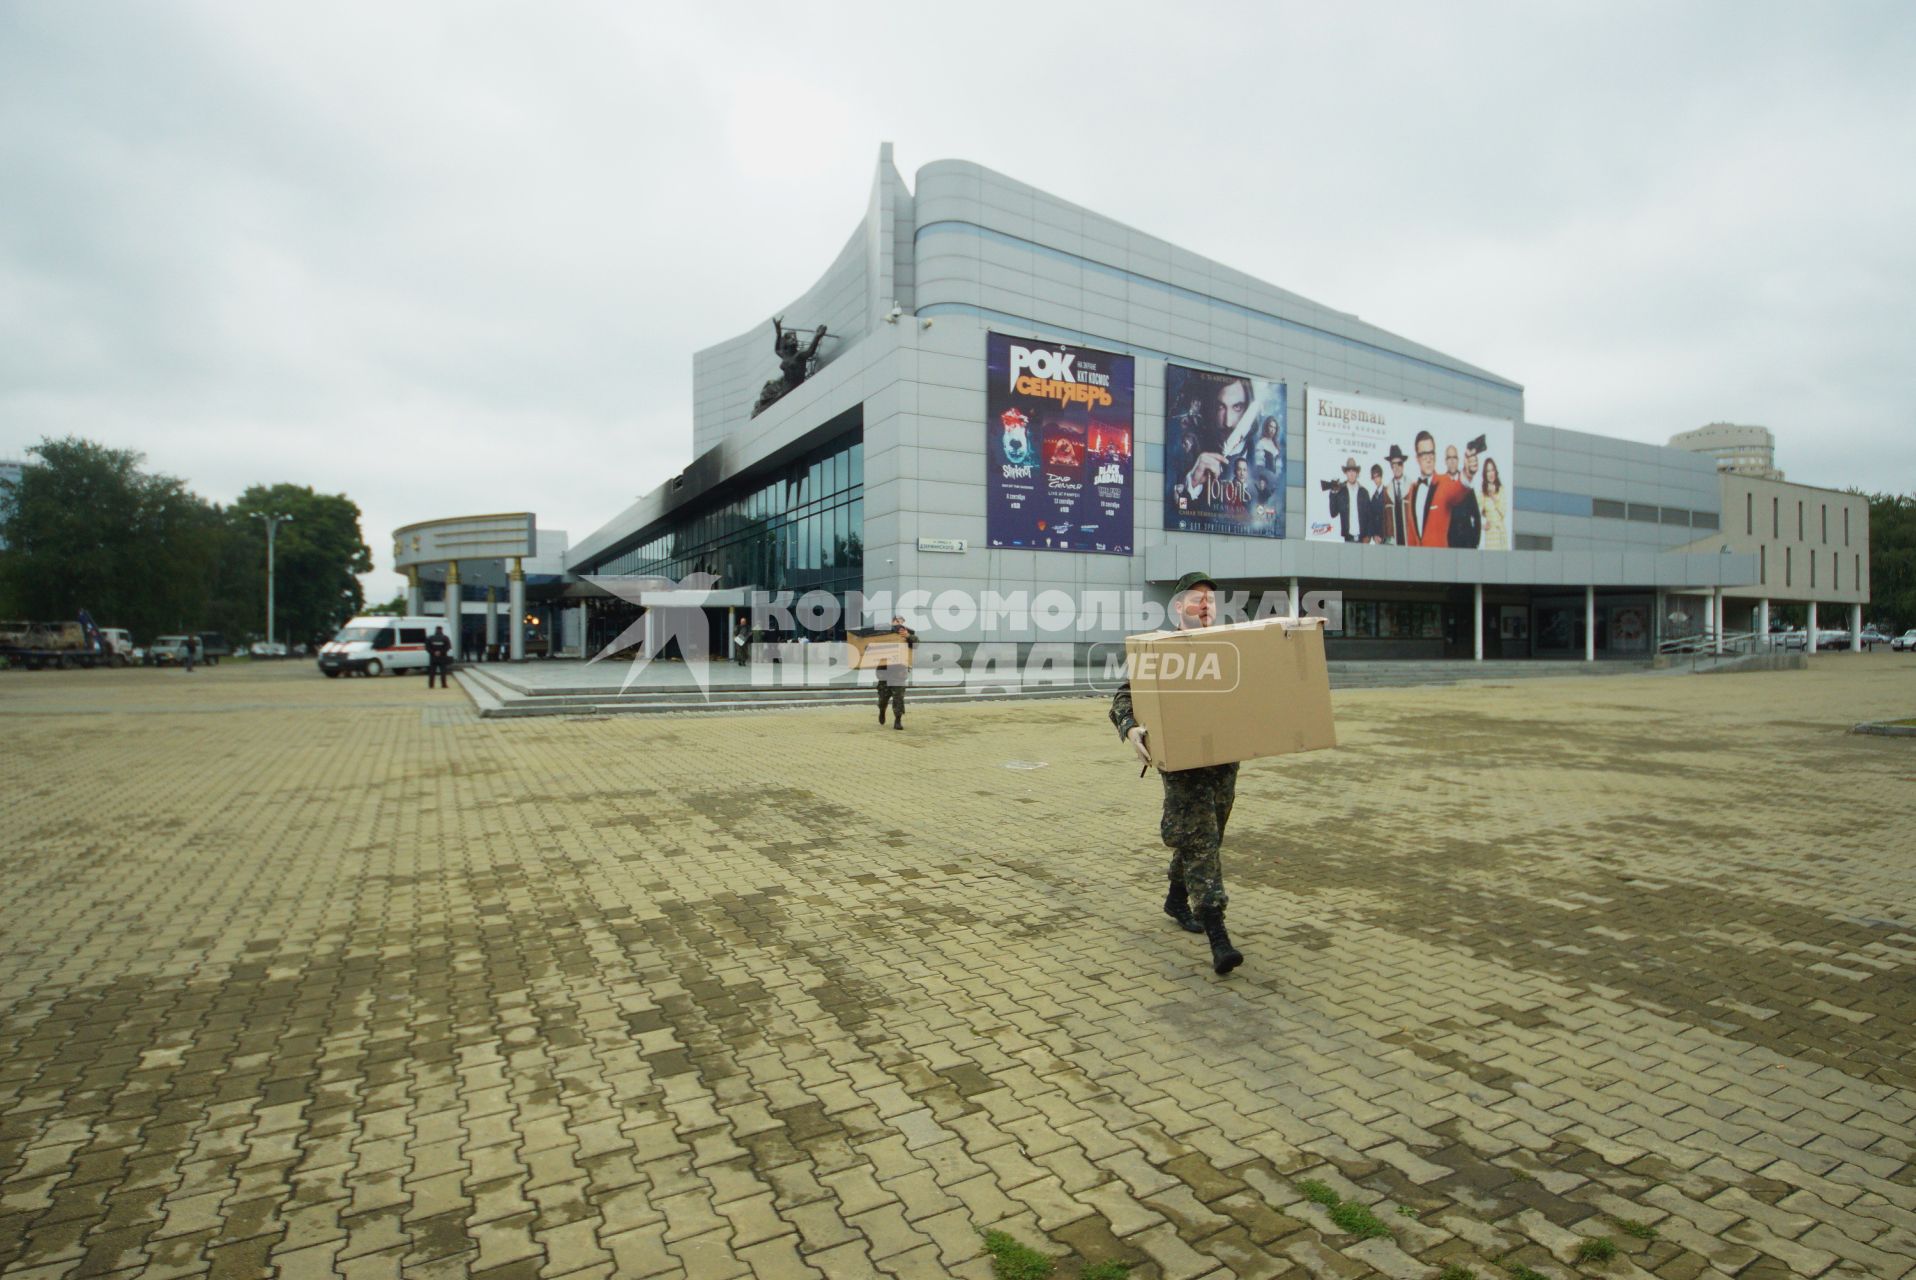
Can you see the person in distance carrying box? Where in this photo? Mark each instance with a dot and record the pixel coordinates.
(1197, 802)
(894, 676)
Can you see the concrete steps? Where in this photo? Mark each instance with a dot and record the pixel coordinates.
(494, 698)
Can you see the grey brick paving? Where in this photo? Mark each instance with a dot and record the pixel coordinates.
(334, 979)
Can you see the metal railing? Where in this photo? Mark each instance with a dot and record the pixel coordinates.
(1709, 644)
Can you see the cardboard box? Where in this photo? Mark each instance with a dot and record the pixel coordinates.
(1230, 693)
(874, 649)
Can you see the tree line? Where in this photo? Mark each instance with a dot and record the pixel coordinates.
(1892, 559)
(87, 527)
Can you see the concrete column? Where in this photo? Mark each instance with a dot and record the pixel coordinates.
(1297, 596)
(1856, 628)
(1722, 618)
(575, 627)
(1477, 621)
(1763, 620)
(454, 614)
(516, 602)
(1590, 624)
(1658, 622)
(492, 619)
(414, 605)
(1809, 644)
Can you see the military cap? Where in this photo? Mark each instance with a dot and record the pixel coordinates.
(1195, 578)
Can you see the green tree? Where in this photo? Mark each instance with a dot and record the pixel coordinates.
(1892, 559)
(317, 558)
(88, 529)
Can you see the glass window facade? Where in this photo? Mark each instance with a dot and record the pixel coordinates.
(1392, 620)
(802, 530)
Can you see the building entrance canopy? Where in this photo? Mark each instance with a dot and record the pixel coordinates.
(432, 547)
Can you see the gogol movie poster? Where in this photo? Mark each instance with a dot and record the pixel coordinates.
(1058, 448)
(1223, 453)
(1390, 473)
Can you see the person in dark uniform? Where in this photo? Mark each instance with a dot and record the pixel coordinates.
(190, 651)
(742, 642)
(1197, 802)
(894, 676)
(438, 657)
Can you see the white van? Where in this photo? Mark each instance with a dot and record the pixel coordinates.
(374, 645)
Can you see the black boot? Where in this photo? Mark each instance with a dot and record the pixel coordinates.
(1177, 905)
(1224, 956)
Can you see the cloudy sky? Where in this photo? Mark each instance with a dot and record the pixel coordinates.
(456, 258)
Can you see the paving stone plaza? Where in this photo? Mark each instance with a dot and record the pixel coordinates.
(322, 978)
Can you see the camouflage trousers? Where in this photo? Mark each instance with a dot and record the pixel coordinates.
(1197, 804)
(894, 694)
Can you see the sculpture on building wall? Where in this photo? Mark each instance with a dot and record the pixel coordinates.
(794, 362)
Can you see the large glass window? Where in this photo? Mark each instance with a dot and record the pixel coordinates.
(800, 529)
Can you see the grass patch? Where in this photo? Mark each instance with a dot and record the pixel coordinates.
(1518, 1271)
(1631, 1227)
(1456, 1272)
(1106, 1271)
(1359, 1221)
(1596, 1249)
(1351, 1218)
(1318, 1192)
(1012, 1260)
(1405, 1211)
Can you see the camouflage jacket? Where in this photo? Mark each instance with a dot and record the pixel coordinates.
(1121, 710)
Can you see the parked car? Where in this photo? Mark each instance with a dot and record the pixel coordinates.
(213, 647)
(1873, 636)
(166, 651)
(1905, 643)
(267, 649)
(1792, 638)
(1837, 640)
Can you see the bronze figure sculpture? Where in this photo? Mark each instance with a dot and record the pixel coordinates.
(794, 362)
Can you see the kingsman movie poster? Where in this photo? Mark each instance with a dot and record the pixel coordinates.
(1390, 473)
(1058, 447)
(1223, 453)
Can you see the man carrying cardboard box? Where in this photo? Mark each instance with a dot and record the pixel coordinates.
(1197, 802)
(894, 676)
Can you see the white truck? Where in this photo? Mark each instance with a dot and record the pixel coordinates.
(376, 644)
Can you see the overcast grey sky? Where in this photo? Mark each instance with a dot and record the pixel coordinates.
(456, 258)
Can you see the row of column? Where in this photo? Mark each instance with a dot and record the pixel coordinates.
(1712, 618)
(454, 611)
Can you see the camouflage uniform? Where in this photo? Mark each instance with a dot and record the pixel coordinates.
(892, 679)
(1197, 804)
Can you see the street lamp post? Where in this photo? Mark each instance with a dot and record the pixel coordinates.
(272, 523)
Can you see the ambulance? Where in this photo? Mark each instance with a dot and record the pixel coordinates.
(374, 645)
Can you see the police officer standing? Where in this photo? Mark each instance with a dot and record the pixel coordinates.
(1197, 802)
(894, 676)
(438, 657)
